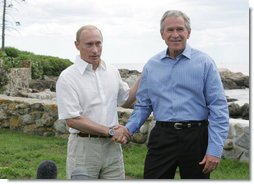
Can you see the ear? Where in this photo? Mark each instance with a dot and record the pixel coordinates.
(189, 32)
(162, 35)
(76, 44)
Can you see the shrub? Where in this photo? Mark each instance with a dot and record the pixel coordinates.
(40, 65)
(37, 69)
(11, 52)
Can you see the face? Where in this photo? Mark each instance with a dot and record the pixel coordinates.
(90, 46)
(175, 35)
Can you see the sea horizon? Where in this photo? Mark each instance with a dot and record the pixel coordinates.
(139, 67)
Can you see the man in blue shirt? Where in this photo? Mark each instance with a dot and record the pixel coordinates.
(183, 89)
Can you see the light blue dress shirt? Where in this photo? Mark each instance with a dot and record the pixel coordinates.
(187, 88)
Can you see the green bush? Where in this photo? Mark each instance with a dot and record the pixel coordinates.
(40, 65)
(2, 54)
(37, 69)
(53, 66)
(11, 52)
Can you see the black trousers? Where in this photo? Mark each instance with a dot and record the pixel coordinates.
(169, 148)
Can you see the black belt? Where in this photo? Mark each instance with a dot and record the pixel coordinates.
(81, 134)
(182, 125)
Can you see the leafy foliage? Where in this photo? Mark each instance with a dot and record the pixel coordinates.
(11, 52)
(40, 65)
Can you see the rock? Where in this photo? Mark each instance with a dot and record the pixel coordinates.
(245, 157)
(233, 80)
(243, 140)
(41, 85)
(125, 73)
(245, 111)
(139, 138)
(18, 80)
(234, 154)
(36, 107)
(231, 99)
(144, 128)
(237, 144)
(43, 95)
(3, 115)
(131, 80)
(60, 126)
(29, 129)
(26, 119)
(234, 110)
(228, 145)
(48, 134)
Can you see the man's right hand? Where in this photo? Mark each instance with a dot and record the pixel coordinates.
(122, 134)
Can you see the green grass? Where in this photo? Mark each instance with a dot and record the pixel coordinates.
(20, 155)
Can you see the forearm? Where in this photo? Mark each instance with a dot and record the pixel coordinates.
(83, 124)
(132, 94)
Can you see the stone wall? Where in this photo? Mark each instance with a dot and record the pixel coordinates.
(19, 80)
(40, 117)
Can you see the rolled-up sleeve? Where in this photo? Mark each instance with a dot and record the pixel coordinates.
(67, 100)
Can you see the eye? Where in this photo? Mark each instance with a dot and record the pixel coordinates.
(180, 29)
(89, 45)
(170, 30)
(98, 44)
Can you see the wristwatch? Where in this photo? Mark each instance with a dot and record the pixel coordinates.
(111, 131)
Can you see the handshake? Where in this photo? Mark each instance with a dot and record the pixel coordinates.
(120, 134)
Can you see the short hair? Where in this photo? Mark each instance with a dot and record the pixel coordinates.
(175, 13)
(85, 28)
(47, 170)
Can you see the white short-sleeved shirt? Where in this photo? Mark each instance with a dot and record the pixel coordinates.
(95, 94)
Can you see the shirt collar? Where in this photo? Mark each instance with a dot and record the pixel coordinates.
(186, 52)
(82, 65)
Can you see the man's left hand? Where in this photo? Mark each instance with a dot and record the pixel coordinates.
(210, 163)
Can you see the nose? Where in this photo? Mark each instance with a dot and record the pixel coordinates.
(175, 34)
(94, 49)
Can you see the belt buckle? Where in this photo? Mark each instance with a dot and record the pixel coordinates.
(177, 126)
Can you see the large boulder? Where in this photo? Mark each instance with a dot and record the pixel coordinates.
(233, 80)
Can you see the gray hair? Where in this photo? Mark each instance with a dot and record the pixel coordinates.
(86, 28)
(175, 13)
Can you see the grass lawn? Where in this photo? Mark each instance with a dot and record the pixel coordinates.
(20, 155)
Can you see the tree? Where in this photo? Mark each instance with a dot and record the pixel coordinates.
(6, 5)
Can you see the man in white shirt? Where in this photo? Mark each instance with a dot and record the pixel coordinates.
(88, 93)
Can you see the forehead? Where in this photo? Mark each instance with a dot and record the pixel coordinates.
(90, 35)
(174, 21)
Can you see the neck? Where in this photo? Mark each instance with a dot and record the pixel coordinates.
(96, 65)
(174, 53)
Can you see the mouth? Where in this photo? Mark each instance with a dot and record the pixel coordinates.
(176, 41)
(94, 57)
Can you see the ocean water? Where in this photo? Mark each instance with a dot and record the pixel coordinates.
(235, 67)
(242, 95)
